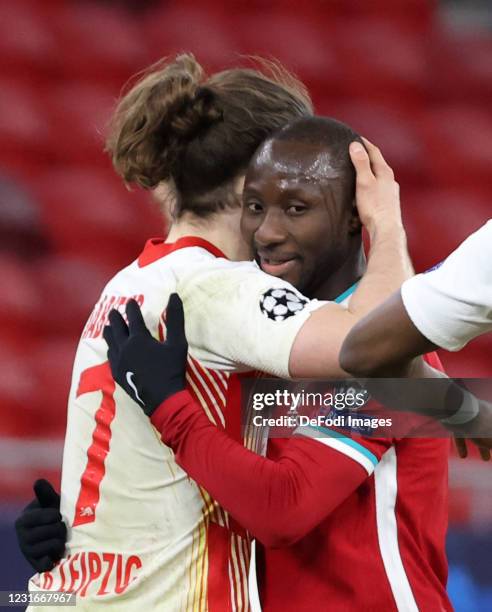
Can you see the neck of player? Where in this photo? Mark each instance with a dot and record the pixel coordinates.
(221, 229)
(341, 279)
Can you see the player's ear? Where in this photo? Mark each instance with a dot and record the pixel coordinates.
(355, 225)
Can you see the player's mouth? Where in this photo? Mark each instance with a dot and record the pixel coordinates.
(277, 265)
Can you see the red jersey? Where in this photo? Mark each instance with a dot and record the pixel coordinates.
(382, 549)
(347, 523)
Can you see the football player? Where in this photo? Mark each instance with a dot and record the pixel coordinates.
(348, 521)
(140, 531)
(329, 502)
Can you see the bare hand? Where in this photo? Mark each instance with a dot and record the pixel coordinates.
(377, 192)
(484, 446)
(478, 432)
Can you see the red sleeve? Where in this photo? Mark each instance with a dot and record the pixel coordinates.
(277, 501)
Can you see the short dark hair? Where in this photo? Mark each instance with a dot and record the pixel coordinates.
(331, 135)
(200, 132)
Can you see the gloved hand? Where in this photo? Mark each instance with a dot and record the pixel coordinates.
(148, 370)
(41, 533)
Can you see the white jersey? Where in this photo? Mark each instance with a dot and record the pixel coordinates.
(452, 304)
(142, 534)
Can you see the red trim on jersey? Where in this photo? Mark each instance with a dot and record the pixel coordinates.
(217, 514)
(233, 429)
(97, 378)
(155, 248)
(221, 382)
(204, 390)
(235, 573)
(218, 545)
(233, 399)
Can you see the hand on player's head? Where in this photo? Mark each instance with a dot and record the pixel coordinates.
(148, 370)
(377, 192)
(41, 532)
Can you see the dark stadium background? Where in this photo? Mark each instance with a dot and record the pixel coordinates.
(415, 76)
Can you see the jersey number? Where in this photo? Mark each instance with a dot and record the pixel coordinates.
(97, 378)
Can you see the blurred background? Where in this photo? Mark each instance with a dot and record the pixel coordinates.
(414, 76)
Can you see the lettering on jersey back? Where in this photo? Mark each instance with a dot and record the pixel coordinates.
(99, 316)
(92, 573)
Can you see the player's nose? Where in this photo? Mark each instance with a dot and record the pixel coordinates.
(271, 231)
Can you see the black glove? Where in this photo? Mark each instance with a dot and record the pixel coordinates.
(148, 370)
(41, 533)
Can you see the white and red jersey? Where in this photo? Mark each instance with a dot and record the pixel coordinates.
(142, 534)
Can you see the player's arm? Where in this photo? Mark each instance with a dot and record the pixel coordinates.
(383, 343)
(278, 501)
(428, 391)
(445, 307)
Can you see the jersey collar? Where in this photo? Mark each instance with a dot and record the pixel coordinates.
(343, 296)
(155, 248)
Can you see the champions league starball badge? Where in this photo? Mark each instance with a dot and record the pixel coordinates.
(280, 304)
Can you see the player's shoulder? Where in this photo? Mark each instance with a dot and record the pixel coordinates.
(222, 276)
(185, 253)
(160, 259)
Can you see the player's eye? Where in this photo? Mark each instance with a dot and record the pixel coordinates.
(254, 207)
(296, 209)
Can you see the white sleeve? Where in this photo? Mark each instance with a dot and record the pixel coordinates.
(452, 304)
(239, 318)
